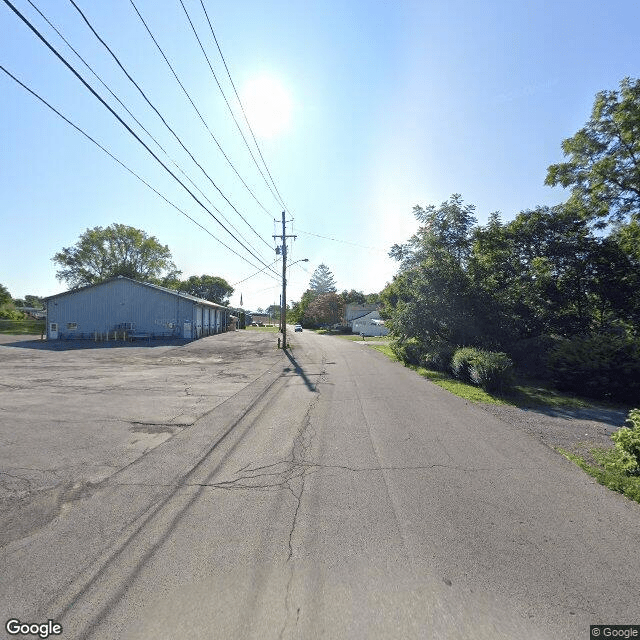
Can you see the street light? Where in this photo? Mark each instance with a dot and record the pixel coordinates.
(283, 308)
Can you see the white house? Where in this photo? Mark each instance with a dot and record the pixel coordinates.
(370, 324)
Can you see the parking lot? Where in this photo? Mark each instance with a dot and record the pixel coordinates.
(73, 413)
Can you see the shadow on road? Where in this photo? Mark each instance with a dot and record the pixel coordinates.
(300, 371)
(74, 345)
(614, 417)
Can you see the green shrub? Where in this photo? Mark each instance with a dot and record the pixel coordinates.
(409, 351)
(627, 441)
(492, 371)
(438, 357)
(600, 366)
(531, 355)
(9, 312)
(461, 362)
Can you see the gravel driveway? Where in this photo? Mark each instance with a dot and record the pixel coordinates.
(575, 430)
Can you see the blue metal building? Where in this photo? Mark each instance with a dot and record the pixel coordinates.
(122, 305)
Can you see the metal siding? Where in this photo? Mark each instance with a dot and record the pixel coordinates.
(198, 321)
(205, 320)
(103, 307)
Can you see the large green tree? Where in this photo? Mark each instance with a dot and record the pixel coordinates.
(212, 288)
(432, 299)
(326, 308)
(603, 166)
(116, 250)
(322, 280)
(7, 305)
(5, 296)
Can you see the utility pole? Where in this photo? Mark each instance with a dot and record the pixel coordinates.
(283, 304)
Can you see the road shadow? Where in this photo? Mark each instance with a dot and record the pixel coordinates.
(613, 417)
(77, 345)
(300, 371)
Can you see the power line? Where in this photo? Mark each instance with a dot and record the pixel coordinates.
(278, 197)
(142, 93)
(355, 244)
(241, 106)
(124, 124)
(175, 75)
(124, 166)
(253, 274)
(88, 66)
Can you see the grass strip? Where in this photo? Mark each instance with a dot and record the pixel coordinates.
(525, 395)
(614, 480)
(21, 327)
(458, 388)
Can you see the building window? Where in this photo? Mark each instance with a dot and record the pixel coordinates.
(72, 326)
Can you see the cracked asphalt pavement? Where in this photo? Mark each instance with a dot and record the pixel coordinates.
(324, 492)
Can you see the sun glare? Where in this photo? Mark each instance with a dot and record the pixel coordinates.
(268, 105)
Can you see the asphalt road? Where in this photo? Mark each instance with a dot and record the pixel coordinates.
(338, 495)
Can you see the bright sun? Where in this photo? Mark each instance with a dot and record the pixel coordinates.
(267, 104)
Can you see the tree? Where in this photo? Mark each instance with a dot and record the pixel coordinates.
(34, 301)
(353, 297)
(444, 231)
(212, 288)
(274, 311)
(7, 305)
(298, 309)
(327, 308)
(432, 298)
(536, 271)
(604, 157)
(5, 296)
(322, 280)
(116, 250)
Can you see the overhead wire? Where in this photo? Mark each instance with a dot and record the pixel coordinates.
(276, 195)
(124, 166)
(242, 107)
(253, 274)
(175, 75)
(128, 128)
(142, 93)
(355, 244)
(101, 81)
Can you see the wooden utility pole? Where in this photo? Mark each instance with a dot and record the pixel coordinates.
(283, 304)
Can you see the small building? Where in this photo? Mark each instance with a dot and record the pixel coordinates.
(121, 305)
(353, 312)
(370, 324)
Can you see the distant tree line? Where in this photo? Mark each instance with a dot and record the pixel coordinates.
(321, 305)
(557, 289)
(9, 306)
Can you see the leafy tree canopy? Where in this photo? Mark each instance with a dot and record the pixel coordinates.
(322, 280)
(212, 288)
(116, 250)
(5, 296)
(353, 297)
(603, 167)
(444, 231)
(326, 308)
(7, 305)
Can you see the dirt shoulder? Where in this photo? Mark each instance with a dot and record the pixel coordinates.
(575, 430)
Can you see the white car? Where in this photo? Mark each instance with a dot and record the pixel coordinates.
(298, 327)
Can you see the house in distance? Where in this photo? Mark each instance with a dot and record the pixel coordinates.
(120, 306)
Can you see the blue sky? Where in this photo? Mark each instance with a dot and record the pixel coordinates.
(377, 106)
